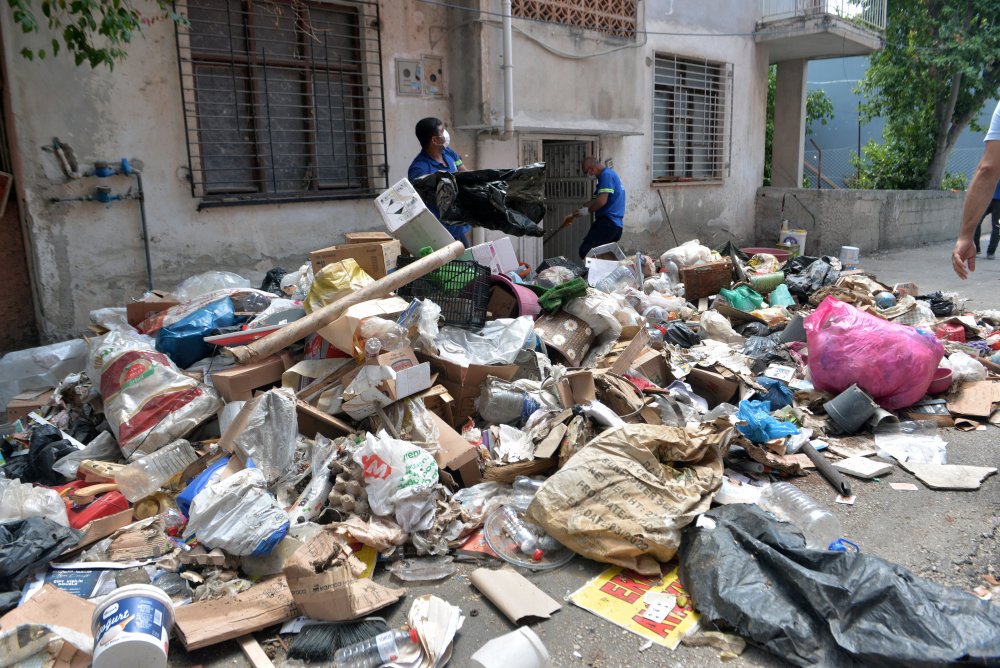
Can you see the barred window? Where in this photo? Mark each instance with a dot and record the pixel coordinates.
(612, 17)
(691, 101)
(282, 99)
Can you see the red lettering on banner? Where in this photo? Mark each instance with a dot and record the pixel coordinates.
(619, 592)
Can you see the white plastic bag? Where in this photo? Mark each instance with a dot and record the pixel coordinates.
(270, 435)
(103, 449)
(687, 254)
(498, 342)
(237, 515)
(147, 401)
(964, 369)
(393, 470)
(716, 326)
(20, 501)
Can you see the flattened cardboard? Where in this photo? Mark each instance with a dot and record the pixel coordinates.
(576, 388)
(734, 313)
(210, 622)
(373, 236)
(974, 399)
(457, 455)
(238, 383)
(103, 527)
(376, 258)
(513, 594)
(635, 348)
(26, 403)
(323, 587)
(502, 303)
(411, 377)
(654, 366)
(313, 421)
(465, 383)
(341, 331)
(440, 402)
(52, 606)
(714, 387)
(138, 311)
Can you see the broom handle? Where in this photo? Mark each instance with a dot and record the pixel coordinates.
(281, 338)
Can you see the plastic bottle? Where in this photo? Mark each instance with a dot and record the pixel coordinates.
(520, 534)
(819, 526)
(524, 491)
(146, 474)
(621, 275)
(376, 651)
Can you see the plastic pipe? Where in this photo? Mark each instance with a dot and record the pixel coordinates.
(508, 72)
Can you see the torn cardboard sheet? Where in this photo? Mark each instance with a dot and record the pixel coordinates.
(323, 586)
(655, 607)
(974, 399)
(209, 622)
(513, 594)
(53, 607)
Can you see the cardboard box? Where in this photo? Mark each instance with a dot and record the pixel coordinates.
(313, 421)
(323, 587)
(457, 456)
(341, 331)
(24, 403)
(373, 236)
(407, 218)
(715, 387)
(239, 382)
(502, 303)
(498, 255)
(576, 388)
(370, 386)
(440, 402)
(377, 259)
(465, 383)
(136, 312)
(654, 366)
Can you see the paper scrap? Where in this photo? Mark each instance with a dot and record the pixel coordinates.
(904, 486)
(513, 594)
(634, 601)
(847, 500)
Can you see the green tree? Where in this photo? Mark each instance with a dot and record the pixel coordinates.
(940, 64)
(819, 109)
(96, 32)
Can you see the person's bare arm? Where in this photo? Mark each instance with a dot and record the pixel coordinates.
(977, 198)
(598, 202)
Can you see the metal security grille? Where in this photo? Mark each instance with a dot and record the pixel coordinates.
(613, 17)
(566, 190)
(690, 133)
(282, 99)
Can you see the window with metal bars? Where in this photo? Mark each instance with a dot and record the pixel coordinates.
(282, 99)
(690, 109)
(612, 17)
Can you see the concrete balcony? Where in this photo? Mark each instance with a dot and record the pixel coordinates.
(816, 29)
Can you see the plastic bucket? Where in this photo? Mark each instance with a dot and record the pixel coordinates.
(850, 256)
(793, 331)
(131, 627)
(797, 237)
(850, 409)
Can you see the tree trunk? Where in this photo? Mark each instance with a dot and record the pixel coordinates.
(944, 135)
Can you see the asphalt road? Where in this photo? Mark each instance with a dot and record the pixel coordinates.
(949, 537)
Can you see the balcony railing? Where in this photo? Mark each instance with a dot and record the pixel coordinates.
(867, 13)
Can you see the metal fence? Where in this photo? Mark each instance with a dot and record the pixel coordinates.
(869, 13)
(836, 169)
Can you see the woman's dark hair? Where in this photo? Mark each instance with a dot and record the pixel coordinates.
(427, 129)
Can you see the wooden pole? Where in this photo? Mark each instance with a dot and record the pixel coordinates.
(281, 338)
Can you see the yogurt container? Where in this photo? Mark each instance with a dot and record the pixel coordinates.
(131, 627)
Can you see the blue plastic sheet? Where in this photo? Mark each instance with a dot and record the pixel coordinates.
(183, 341)
(761, 426)
(778, 394)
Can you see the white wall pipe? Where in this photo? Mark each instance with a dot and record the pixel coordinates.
(508, 72)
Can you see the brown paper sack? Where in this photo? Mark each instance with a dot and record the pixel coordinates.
(625, 497)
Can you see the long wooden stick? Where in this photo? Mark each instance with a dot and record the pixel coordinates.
(302, 327)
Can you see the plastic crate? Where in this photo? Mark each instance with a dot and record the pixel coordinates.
(460, 288)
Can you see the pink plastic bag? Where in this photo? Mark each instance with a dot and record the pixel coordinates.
(893, 363)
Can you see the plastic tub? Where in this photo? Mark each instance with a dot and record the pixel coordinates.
(850, 409)
(941, 381)
(781, 255)
(131, 627)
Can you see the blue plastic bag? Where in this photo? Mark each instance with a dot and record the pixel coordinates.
(761, 426)
(183, 341)
(778, 394)
(201, 481)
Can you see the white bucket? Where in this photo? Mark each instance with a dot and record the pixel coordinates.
(850, 256)
(131, 627)
(797, 237)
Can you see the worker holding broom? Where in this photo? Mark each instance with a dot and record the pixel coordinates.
(607, 207)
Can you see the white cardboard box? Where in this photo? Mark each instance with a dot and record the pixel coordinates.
(498, 255)
(407, 218)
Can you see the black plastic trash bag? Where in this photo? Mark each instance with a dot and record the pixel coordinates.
(45, 447)
(821, 608)
(941, 306)
(25, 545)
(506, 200)
(680, 334)
(765, 351)
(272, 281)
(811, 274)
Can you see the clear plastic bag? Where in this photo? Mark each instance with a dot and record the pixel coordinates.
(296, 284)
(210, 281)
(964, 368)
(103, 448)
(421, 321)
(19, 501)
(893, 363)
(918, 442)
(271, 433)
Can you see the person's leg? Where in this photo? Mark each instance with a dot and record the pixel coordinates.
(994, 210)
(975, 237)
(601, 232)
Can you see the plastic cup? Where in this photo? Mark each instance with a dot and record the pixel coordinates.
(521, 649)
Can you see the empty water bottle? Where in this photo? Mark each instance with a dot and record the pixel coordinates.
(146, 474)
(376, 651)
(526, 541)
(619, 276)
(819, 526)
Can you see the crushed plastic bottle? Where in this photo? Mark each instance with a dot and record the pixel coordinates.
(373, 652)
(819, 526)
(526, 541)
(423, 569)
(146, 474)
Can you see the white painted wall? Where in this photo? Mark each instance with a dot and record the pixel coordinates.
(87, 255)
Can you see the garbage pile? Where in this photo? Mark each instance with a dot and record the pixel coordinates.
(222, 459)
